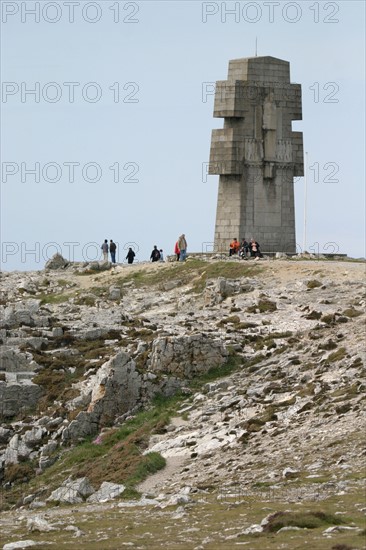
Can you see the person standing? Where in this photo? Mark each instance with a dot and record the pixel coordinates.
(155, 254)
(105, 250)
(182, 245)
(130, 256)
(161, 259)
(112, 250)
(177, 251)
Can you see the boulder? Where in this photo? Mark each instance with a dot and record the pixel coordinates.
(219, 289)
(16, 451)
(19, 544)
(39, 524)
(112, 391)
(56, 262)
(33, 437)
(114, 293)
(15, 361)
(72, 492)
(187, 356)
(18, 397)
(84, 425)
(107, 491)
(5, 435)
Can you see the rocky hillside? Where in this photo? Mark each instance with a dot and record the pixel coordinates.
(222, 396)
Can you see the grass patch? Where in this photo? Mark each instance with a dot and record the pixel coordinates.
(264, 305)
(117, 455)
(351, 312)
(337, 355)
(63, 282)
(305, 520)
(234, 319)
(232, 364)
(85, 300)
(313, 283)
(52, 298)
(195, 271)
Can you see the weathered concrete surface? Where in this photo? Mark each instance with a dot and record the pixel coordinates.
(257, 154)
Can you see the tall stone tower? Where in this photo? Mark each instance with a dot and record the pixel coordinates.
(257, 154)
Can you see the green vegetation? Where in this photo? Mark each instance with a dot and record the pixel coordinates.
(56, 378)
(193, 271)
(52, 298)
(234, 319)
(264, 305)
(63, 282)
(314, 315)
(85, 300)
(115, 455)
(337, 355)
(18, 472)
(304, 520)
(313, 283)
(351, 312)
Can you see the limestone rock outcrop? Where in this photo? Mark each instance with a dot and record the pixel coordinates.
(56, 262)
(187, 356)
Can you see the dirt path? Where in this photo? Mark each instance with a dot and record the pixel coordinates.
(155, 482)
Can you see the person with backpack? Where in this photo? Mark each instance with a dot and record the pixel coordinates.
(112, 250)
(105, 250)
(155, 254)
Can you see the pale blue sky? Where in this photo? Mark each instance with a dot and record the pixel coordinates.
(168, 53)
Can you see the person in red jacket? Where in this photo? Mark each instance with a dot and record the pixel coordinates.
(177, 251)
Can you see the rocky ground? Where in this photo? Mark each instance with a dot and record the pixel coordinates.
(282, 432)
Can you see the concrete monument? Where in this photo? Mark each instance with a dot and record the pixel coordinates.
(257, 154)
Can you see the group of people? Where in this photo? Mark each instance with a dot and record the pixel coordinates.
(157, 255)
(180, 248)
(111, 249)
(245, 249)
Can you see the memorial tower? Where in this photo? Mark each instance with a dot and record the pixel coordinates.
(257, 154)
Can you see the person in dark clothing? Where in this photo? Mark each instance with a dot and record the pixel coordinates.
(244, 249)
(112, 250)
(130, 256)
(155, 254)
(255, 249)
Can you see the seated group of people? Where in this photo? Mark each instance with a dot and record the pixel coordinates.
(245, 248)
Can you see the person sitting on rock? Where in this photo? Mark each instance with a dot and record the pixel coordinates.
(255, 249)
(234, 247)
(244, 249)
